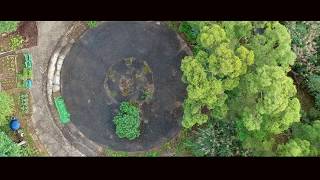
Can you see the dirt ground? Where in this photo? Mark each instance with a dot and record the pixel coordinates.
(27, 29)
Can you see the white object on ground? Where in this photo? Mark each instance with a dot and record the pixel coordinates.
(22, 143)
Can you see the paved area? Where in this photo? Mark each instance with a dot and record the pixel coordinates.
(46, 130)
(84, 72)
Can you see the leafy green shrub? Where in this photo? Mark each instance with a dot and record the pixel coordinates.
(24, 103)
(8, 26)
(305, 140)
(313, 84)
(92, 24)
(127, 121)
(295, 147)
(6, 108)
(151, 154)
(217, 139)
(213, 71)
(311, 115)
(190, 31)
(310, 133)
(16, 42)
(8, 148)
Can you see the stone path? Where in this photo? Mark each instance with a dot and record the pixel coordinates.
(49, 32)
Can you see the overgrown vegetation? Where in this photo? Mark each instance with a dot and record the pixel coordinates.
(92, 24)
(127, 121)
(216, 139)
(10, 148)
(112, 153)
(24, 102)
(213, 71)
(238, 73)
(306, 45)
(6, 108)
(8, 26)
(305, 140)
(16, 42)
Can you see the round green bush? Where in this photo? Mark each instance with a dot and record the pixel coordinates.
(127, 121)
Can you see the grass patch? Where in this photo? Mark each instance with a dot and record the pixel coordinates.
(112, 153)
(92, 24)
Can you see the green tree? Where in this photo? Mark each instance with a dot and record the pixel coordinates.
(273, 46)
(214, 69)
(239, 72)
(314, 84)
(310, 133)
(127, 121)
(295, 147)
(6, 107)
(266, 100)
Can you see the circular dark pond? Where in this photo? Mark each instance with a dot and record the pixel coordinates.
(121, 61)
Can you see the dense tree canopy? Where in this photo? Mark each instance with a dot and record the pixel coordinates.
(239, 72)
(295, 147)
(309, 133)
(266, 100)
(210, 73)
(273, 46)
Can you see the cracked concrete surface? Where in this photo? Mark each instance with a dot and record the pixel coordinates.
(49, 32)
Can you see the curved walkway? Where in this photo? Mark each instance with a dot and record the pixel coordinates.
(49, 33)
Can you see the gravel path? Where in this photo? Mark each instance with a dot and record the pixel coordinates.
(48, 133)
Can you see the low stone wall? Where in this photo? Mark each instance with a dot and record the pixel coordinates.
(71, 133)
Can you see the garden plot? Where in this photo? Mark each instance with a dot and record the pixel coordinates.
(25, 36)
(8, 77)
(125, 61)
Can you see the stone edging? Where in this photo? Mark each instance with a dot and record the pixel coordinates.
(71, 133)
